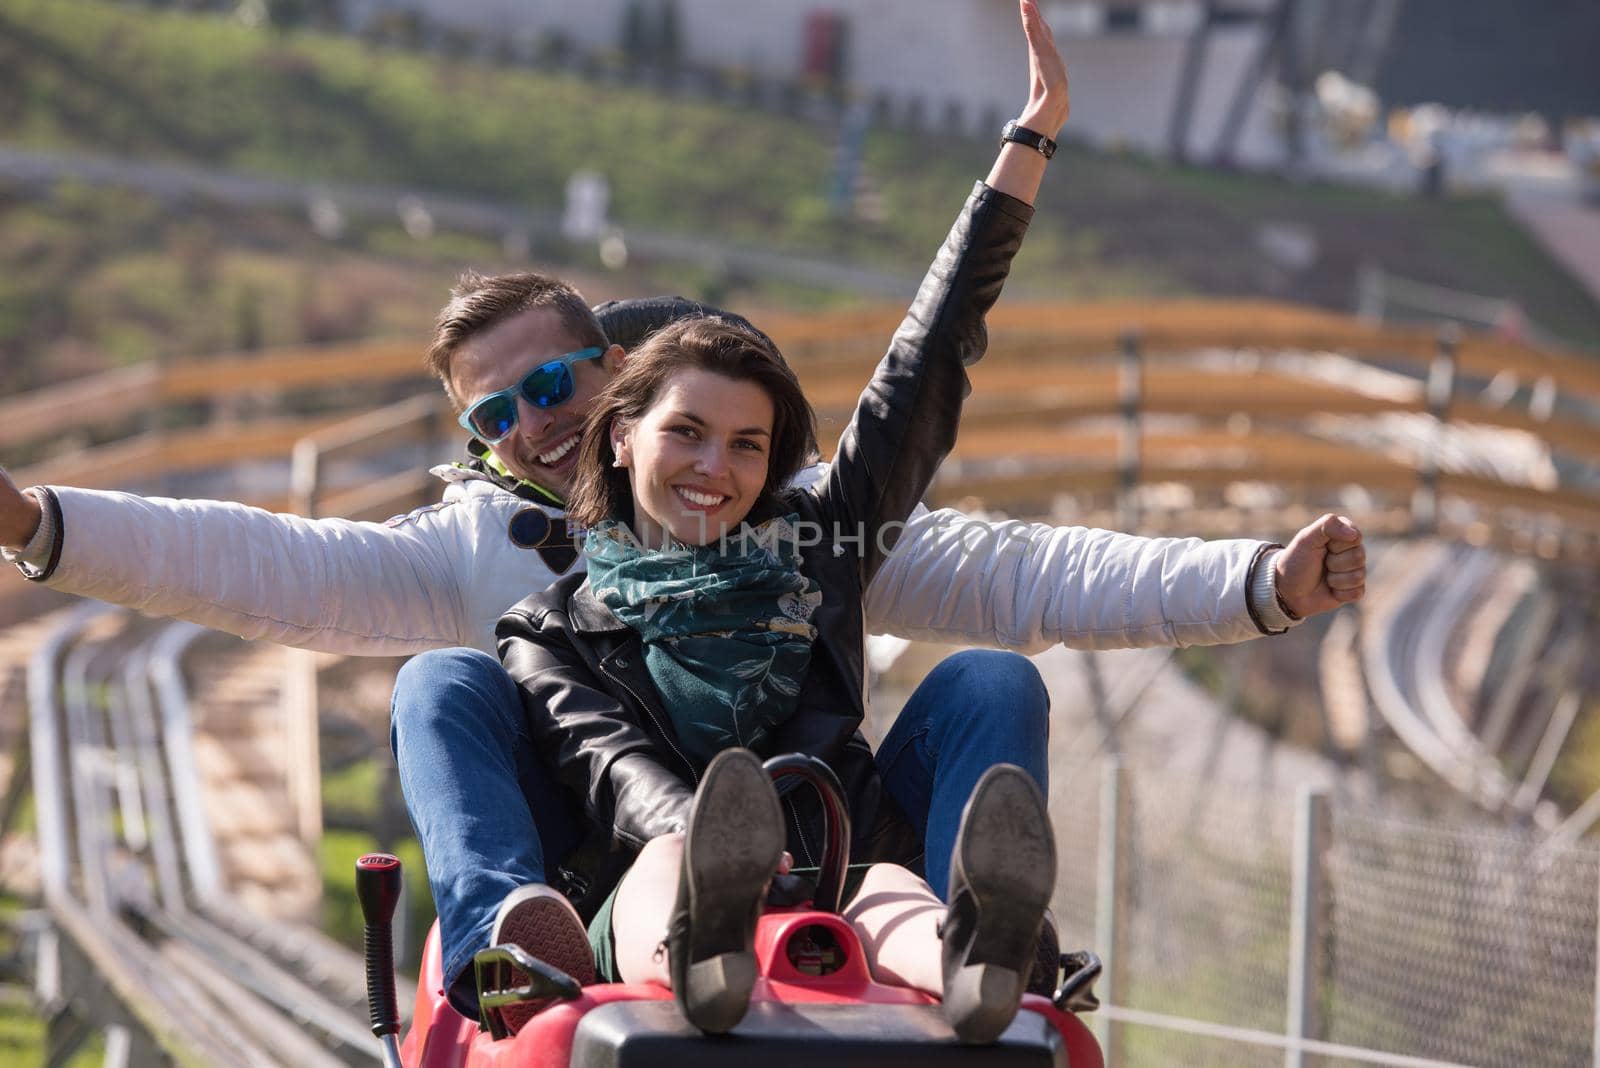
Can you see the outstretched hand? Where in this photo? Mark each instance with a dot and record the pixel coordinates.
(1048, 104)
(1324, 567)
(19, 514)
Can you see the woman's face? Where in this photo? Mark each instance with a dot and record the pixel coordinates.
(697, 458)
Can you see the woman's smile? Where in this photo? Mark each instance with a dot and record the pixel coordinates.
(700, 499)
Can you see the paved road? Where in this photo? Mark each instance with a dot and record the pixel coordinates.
(178, 181)
(1567, 228)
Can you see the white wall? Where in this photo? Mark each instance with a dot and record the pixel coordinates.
(970, 52)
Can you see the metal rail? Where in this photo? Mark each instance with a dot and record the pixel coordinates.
(1393, 644)
(1464, 574)
(130, 948)
(46, 755)
(172, 695)
(141, 711)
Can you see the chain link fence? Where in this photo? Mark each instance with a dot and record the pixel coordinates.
(1419, 942)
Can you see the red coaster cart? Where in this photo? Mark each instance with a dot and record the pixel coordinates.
(814, 1001)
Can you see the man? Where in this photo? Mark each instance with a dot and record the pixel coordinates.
(522, 356)
(443, 575)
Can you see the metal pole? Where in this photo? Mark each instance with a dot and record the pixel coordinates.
(300, 700)
(1556, 730)
(1130, 390)
(1596, 1041)
(303, 773)
(1376, 33)
(1249, 84)
(1111, 884)
(1305, 922)
(1182, 115)
(1369, 294)
(1542, 398)
(1567, 833)
(119, 1047)
(1441, 385)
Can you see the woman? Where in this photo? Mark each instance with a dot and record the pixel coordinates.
(720, 611)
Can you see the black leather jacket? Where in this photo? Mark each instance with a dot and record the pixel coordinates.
(592, 708)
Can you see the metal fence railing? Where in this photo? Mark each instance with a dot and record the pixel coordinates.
(1282, 926)
(1463, 944)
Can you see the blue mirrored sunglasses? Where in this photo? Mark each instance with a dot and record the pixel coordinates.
(492, 419)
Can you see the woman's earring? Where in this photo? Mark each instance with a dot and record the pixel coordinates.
(616, 462)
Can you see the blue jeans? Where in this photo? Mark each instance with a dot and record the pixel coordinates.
(491, 817)
(489, 814)
(975, 709)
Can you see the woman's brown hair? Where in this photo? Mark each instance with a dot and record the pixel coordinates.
(601, 491)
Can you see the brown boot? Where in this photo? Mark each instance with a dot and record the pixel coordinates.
(731, 849)
(1002, 872)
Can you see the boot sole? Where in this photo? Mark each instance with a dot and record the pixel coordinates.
(551, 931)
(1006, 858)
(732, 849)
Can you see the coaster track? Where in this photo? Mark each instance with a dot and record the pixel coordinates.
(132, 885)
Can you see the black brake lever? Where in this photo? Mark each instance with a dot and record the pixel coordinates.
(492, 970)
(1076, 992)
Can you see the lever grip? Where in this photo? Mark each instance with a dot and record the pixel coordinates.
(378, 891)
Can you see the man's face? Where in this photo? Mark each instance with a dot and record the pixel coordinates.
(543, 446)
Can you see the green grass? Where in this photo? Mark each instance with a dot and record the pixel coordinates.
(205, 89)
(356, 791)
(1576, 776)
(22, 1029)
(341, 913)
(22, 1034)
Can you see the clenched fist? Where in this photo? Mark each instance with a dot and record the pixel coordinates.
(1324, 567)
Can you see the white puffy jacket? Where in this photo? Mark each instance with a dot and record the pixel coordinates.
(444, 574)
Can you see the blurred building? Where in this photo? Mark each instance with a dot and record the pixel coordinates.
(1498, 57)
(1195, 78)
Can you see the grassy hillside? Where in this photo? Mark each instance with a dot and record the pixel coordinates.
(204, 88)
(112, 79)
(94, 277)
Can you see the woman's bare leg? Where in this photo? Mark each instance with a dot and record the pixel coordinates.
(895, 914)
(642, 909)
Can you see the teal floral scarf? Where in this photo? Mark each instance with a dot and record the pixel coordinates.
(726, 626)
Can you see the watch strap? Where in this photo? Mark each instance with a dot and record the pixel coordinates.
(1020, 134)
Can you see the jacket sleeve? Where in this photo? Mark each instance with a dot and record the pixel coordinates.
(325, 584)
(1028, 586)
(599, 749)
(905, 422)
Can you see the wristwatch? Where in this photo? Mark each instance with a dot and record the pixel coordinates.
(1024, 136)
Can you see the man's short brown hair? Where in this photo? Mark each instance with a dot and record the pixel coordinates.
(479, 302)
